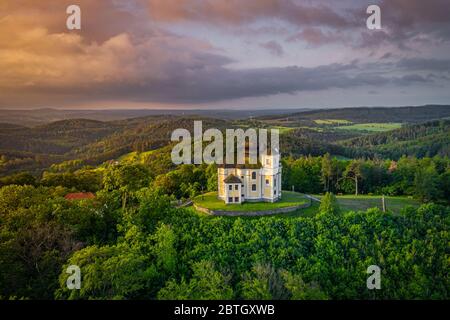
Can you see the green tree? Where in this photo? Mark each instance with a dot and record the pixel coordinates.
(206, 284)
(211, 174)
(426, 183)
(299, 290)
(164, 248)
(445, 185)
(263, 283)
(127, 179)
(329, 204)
(327, 171)
(354, 172)
(21, 179)
(110, 272)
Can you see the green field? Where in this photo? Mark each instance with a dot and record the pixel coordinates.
(135, 157)
(371, 127)
(210, 201)
(283, 129)
(346, 203)
(331, 121)
(362, 203)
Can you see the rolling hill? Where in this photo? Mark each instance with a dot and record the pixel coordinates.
(306, 133)
(421, 140)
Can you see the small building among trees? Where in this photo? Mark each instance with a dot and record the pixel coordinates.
(79, 196)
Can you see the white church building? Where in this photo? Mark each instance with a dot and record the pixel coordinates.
(252, 183)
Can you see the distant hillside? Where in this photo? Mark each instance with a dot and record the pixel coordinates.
(304, 141)
(372, 115)
(55, 138)
(427, 139)
(93, 142)
(141, 134)
(36, 117)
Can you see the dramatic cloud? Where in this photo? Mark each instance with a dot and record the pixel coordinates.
(151, 51)
(273, 47)
(403, 19)
(246, 12)
(413, 17)
(425, 64)
(314, 37)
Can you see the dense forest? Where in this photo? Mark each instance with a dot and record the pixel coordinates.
(149, 249)
(132, 240)
(131, 243)
(421, 140)
(373, 114)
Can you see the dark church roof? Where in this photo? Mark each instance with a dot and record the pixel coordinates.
(240, 166)
(232, 179)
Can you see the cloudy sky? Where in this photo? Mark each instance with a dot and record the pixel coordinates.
(223, 54)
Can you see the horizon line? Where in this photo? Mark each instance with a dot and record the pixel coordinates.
(222, 109)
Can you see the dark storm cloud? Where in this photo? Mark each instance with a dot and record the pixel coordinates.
(123, 55)
(410, 79)
(425, 64)
(217, 83)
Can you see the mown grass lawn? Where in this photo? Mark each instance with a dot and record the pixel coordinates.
(288, 199)
(346, 203)
(371, 127)
(363, 202)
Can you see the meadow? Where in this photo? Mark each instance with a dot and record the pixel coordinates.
(346, 203)
(371, 127)
(288, 199)
(332, 121)
(364, 202)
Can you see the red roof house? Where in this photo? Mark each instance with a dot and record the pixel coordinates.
(79, 196)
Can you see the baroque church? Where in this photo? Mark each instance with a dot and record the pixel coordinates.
(252, 183)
